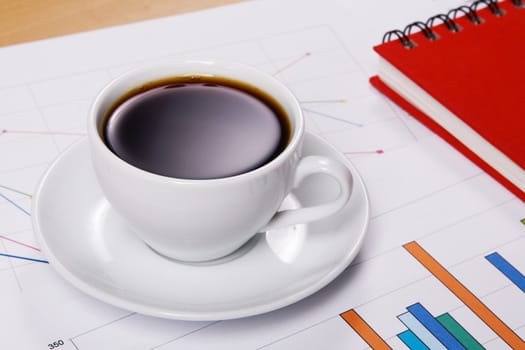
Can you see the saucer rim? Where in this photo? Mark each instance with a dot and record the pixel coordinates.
(171, 313)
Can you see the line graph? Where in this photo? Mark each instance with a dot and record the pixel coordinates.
(291, 64)
(39, 132)
(377, 151)
(16, 191)
(19, 243)
(326, 115)
(24, 258)
(10, 201)
(339, 100)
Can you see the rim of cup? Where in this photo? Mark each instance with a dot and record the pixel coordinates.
(133, 78)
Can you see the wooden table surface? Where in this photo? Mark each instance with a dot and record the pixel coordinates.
(28, 20)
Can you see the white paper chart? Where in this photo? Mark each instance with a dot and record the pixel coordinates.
(442, 265)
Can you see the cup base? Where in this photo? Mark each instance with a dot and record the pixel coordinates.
(242, 250)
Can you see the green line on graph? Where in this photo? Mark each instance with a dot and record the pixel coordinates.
(16, 191)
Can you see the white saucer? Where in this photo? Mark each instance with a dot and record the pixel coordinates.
(91, 247)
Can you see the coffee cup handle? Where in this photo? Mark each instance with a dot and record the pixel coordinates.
(314, 165)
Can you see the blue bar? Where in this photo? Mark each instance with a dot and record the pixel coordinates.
(434, 327)
(421, 332)
(411, 340)
(507, 269)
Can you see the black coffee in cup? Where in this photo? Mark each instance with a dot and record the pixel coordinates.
(197, 127)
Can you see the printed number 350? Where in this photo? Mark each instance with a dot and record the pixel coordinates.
(55, 344)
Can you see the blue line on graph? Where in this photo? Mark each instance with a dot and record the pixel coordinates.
(434, 327)
(507, 269)
(24, 258)
(411, 340)
(16, 205)
(332, 117)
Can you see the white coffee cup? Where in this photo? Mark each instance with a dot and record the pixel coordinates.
(201, 220)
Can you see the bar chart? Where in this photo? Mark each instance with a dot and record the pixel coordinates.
(426, 331)
(442, 332)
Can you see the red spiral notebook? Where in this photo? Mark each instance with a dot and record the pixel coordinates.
(462, 74)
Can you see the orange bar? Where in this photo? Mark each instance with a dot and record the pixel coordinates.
(466, 296)
(364, 330)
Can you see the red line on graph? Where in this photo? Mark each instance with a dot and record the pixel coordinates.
(20, 243)
(377, 151)
(292, 63)
(35, 132)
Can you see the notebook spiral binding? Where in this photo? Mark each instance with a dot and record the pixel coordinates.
(470, 12)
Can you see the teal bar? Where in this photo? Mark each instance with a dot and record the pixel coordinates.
(460, 333)
(410, 340)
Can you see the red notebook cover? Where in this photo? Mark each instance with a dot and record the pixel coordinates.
(477, 73)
